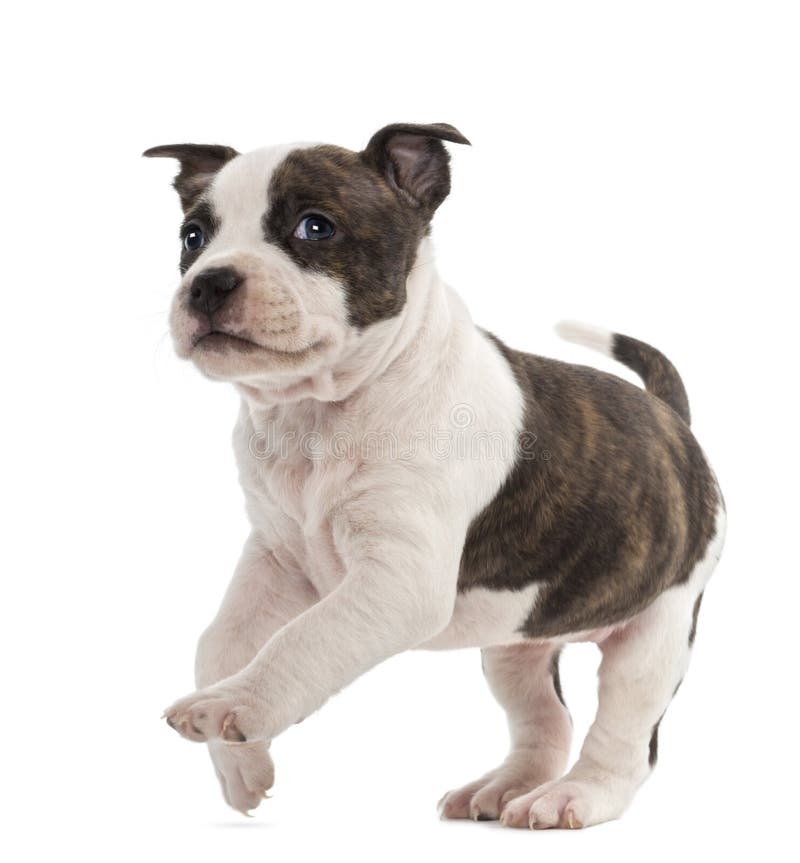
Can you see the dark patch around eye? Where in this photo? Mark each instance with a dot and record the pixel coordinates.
(376, 238)
(204, 216)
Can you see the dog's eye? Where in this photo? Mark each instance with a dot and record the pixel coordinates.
(314, 227)
(193, 238)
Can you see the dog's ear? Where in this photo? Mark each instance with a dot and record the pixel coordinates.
(199, 164)
(414, 161)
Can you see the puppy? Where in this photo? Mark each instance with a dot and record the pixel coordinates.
(412, 482)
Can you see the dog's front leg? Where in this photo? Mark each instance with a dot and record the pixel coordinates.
(267, 591)
(399, 591)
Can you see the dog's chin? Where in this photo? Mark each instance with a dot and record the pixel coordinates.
(231, 357)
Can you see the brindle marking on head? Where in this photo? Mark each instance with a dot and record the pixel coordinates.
(376, 235)
(199, 165)
(414, 161)
(622, 509)
(380, 201)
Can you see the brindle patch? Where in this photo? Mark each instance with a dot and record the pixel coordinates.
(622, 509)
(376, 234)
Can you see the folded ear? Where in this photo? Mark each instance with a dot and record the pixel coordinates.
(199, 164)
(414, 161)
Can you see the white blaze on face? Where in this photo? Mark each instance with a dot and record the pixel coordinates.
(239, 195)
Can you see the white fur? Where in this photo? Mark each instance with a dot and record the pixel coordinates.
(380, 541)
(588, 335)
(521, 680)
(483, 617)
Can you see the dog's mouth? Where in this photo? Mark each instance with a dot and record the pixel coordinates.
(224, 341)
(221, 339)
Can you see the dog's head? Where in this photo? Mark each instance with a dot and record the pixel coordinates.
(291, 254)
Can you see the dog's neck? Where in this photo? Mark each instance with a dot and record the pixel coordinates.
(409, 341)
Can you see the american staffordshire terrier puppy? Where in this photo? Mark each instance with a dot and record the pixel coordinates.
(412, 482)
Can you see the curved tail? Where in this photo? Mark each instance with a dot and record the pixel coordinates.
(660, 377)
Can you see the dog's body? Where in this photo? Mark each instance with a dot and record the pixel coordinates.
(412, 482)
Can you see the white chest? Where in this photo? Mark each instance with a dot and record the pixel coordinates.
(291, 482)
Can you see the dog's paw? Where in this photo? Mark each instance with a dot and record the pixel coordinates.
(565, 803)
(221, 712)
(245, 773)
(484, 799)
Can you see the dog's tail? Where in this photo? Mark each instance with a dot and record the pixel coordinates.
(660, 377)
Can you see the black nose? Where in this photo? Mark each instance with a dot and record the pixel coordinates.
(212, 287)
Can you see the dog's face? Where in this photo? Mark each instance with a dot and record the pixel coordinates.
(290, 254)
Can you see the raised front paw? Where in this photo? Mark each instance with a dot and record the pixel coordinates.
(221, 712)
(245, 773)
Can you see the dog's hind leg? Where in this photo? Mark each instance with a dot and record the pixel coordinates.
(644, 662)
(524, 680)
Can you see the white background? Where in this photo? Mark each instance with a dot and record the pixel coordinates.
(635, 165)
